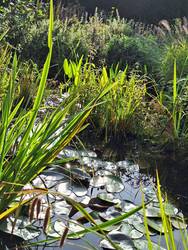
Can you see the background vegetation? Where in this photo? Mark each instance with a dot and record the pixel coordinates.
(106, 43)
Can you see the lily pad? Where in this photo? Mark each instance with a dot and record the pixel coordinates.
(98, 181)
(106, 245)
(26, 233)
(170, 210)
(178, 223)
(110, 166)
(141, 228)
(73, 226)
(128, 206)
(110, 214)
(61, 208)
(114, 184)
(64, 188)
(78, 173)
(129, 230)
(107, 198)
(133, 218)
(150, 194)
(123, 164)
(79, 189)
(143, 245)
(122, 240)
(151, 212)
(156, 224)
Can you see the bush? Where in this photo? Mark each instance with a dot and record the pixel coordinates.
(175, 51)
(68, 43)
(125, 50)
(18, 16)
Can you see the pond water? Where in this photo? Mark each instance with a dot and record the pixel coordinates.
(124, 176)
(108, 181)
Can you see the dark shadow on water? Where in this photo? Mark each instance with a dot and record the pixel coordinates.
(172, 169)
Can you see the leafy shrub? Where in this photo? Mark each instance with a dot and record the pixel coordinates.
(18, 16)
(125, 50)
(175, 51)
(69, 42)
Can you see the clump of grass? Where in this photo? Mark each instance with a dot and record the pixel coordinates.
(26, 148)
(119, 105)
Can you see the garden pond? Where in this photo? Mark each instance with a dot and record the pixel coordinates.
(107, 181)
(106, 187)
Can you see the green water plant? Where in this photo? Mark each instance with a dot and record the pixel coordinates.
(26, 146)
(119, 105)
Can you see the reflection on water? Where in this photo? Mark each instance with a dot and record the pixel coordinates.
(172, 169)
(135, 168)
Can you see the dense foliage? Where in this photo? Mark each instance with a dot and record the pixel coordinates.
(128, 79)
(148, 52)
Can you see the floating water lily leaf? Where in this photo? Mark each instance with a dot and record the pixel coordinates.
(28, 233)
(129, 230)
(92, 163)
(61, 207)
(156, 224)
(143, 245)
(110, 166)
(133, 218)
(141, 228)
(78, 173)
(155, 211)
(64, 188)
(170, 210)
(151, 212)
(122, 240)
(123, 164)
(110, 214)
(106, 178)
(73, 226)
(79, 189)
(106, 245)
(150, 194)
(113, 227)
(98, 205)
(84, 153)
(93, 214)
(86, 200)
(69, 153)
(178, 223)
(119, 237)
(128, 206)
(114, 184)
(107, 198)
(98, 181)
(48, 179)
(52, 233)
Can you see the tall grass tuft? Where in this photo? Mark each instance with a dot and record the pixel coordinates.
(28, 147)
